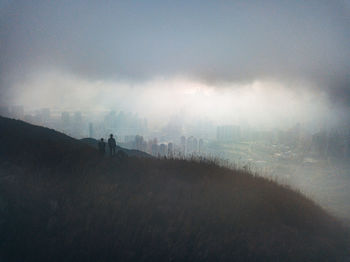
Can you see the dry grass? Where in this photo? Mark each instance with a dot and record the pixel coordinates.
(74, 205)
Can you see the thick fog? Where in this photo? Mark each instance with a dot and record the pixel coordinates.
(265, 103)
(250, 57)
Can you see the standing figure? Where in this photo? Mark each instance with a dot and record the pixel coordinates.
(102, 147)
(112, 145)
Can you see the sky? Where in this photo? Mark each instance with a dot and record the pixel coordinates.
(268, 61)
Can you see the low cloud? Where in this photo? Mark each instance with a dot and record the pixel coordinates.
(218, 44)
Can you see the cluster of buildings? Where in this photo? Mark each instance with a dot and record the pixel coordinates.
(185, 147)
(80, 124)
(124, 124)
(41, 116)
(132, 132)
(335, 143)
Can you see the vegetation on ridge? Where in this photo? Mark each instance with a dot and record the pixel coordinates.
(65, 202)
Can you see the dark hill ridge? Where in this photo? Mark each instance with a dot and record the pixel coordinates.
(75, 205)
(25, 144)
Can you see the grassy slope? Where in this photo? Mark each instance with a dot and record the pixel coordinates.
(61, 201)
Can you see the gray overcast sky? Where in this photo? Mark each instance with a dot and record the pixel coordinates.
(211, 41)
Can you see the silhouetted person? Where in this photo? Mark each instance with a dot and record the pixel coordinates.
(112, 145)
(102, 147)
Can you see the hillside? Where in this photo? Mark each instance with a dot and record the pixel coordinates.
(61, 201)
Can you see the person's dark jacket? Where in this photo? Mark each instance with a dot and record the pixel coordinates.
(111, 142)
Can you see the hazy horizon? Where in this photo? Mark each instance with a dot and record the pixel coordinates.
(270, 63)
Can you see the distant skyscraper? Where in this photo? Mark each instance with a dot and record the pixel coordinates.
(144, 146)
(78, 124)
(228, 133)
(183, 145)
(139, 142)
(189, 145)
(200, 146)
(150, 147)
(78, 118)
(170, 150)
(155, 149)
(163, 150)
(91, 130)
(194, 145)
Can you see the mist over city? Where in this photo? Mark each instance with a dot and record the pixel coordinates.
(263, 86)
